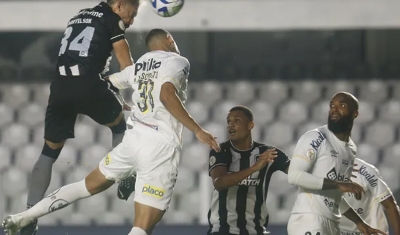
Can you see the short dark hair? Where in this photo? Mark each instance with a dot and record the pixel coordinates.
(132, 2)
(155, 33)
(246, 111)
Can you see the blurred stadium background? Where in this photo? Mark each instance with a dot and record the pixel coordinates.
(284, 59)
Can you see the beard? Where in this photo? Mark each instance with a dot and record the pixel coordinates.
(344, 124)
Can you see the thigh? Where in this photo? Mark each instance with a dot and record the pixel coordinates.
(157, 171)
(101, 104)
(60, 116)
(119, 164)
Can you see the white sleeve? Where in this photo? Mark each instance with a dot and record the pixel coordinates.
(176, 71)
(121, 79)
(303, 159)
(375, 184)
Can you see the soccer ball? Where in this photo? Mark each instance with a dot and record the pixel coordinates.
(167, 8)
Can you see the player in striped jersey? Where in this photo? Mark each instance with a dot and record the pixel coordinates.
(241, 172)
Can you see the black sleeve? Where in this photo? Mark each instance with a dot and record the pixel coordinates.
(116, 28)
(217, 159)
(281, 162)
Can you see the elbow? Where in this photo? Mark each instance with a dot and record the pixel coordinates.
(218, 186)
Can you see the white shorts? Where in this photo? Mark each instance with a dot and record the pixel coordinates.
(155, 161)
(345, 232)
(310, 224)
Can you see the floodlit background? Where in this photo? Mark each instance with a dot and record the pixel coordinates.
(283, 59)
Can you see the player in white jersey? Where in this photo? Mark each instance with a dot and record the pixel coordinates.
(378, 198)
(321, 166)
(152, 143)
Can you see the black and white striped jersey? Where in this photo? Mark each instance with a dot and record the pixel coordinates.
(241, 209)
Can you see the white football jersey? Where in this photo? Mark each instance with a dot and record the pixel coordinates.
(369, 207)
(146, 77)
(328, 157)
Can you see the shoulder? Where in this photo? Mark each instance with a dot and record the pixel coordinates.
(177, 60)
(364, 166)
(314, 138)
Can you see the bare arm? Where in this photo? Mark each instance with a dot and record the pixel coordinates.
(393, 213)
(222, 180)
(174, 105)
(123, 54)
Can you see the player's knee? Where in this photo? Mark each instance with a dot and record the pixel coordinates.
(120, 127)
(52, 150)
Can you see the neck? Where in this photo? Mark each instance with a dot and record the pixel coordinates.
(243, 144)
(160, 48)
(344, 136)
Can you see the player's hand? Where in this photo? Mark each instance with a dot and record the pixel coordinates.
(207, 138)
(265, 158)
(351, 187)
(365, 229)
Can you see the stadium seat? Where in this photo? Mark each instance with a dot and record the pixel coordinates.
(195, 156)
(337, 86)
(380, 134)
(67, 160)
(187, 137)
(18, 202)
(391, 156)
(307, 91)
(31, 114)
(308, 126)
(125, 209)
(6, 114)
(279, 183)
(92, 155)
(15, 135)
(374, 91)
(396, 90)
(173, 217)
(320, 111)
(208, 93)
(109, 219)
(41, 93)
(84, 136)
(14, 181)
(272, 204)
(104, 136)
(257, 132)
(273, 92)
(357, 133)
(15, 95)
(189, 203)
(38, 135)
(366, 112)
(390, 111)
(220, 111)
(278, 134)
(198, 111)
(218, 129)
(293, 112)
(185, 181)
(263, 112)
(6, 156)
(391, 176)
(76, 219)
(93, 205)
(76, 174)
(26, 156)
(241, 92)
(55, 183)
(368, 153)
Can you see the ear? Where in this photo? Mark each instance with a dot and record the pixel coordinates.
(251, 125)
(120, 4)
(355, 114)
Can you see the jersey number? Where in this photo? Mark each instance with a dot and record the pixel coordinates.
(80, 43)
(145, 89)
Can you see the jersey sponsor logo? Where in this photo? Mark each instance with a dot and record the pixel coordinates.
(334, 153)
(212, 160)
(332, 175)
(345, 162)
(317, 142)
(153, 191)
(145, 66)
(370, 177)
(330, 203)
(250, 182)
(360, 211)
(91, 13)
